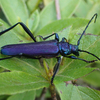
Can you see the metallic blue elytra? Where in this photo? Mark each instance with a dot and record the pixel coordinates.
(45, 49)
(38, 49)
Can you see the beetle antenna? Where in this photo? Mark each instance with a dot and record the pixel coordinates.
(95, 15)
(89, 53)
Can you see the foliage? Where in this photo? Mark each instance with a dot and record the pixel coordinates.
(26, 75)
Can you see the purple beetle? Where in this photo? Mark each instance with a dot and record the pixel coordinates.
(45, 49)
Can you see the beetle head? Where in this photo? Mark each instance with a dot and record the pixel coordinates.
(74, 50)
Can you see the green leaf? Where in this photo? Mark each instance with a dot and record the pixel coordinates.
(3, 97)
(1, 69)
(60, 25)
(24, 64)
(70, 92)
(83, 8)
(67, 8)
(29, 95)
(48, 14)
(87, 10)
(33, 21)
(17, 82)
(46, 2)
(32, 4)
(0, 24)
(14, 10)
(93, 78)
(71, 73)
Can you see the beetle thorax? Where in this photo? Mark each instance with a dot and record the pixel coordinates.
(67, 49)
(64, 48)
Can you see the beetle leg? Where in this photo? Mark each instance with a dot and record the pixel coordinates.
(64, 40)
(19, 56)
(56, 36)
(56, 68)
(24, 27)
(7, 57)
(73, 57)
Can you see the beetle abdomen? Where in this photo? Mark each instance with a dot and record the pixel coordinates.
(44, 49)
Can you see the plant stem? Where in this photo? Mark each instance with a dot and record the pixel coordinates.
(57, 9)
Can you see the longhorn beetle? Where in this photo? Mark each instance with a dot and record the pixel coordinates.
(45, 49)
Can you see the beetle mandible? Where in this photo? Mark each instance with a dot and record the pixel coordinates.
(45, 49)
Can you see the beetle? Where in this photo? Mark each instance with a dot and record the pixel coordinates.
(43, 49)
